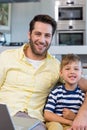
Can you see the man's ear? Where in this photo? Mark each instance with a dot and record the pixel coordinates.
(29, 35)
(82, 72)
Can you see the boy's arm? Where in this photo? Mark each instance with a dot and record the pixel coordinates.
(50, 116)
(68, 114)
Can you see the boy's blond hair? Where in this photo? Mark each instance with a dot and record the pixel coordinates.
(69, 58)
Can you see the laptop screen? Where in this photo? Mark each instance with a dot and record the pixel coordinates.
(16, 123)
(5, 119)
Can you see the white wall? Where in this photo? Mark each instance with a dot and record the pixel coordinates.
(86, 22)
(22, 13)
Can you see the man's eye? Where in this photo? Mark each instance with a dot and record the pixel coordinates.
(38, 34)
(48, 36)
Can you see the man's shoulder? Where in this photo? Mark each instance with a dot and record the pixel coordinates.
(53, 59)
(8, 52)
(11, 51)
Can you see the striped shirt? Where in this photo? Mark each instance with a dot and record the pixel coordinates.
(60, 98)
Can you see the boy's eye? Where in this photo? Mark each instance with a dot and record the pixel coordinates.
(67, 68)
(76, 68)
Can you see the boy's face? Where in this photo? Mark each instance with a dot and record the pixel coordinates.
(72, 72)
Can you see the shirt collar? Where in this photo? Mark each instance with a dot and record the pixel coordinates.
(22, 55)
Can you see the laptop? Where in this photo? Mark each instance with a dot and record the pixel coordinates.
(15, 123)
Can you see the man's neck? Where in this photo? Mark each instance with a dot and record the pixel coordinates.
(29, 54)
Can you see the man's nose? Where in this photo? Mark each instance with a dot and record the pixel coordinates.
(42, 39)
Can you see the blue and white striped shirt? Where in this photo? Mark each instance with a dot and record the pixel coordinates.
(60, 98)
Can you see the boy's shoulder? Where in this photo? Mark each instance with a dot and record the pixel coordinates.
(57, 87)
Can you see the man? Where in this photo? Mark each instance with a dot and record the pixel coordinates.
(27, 74)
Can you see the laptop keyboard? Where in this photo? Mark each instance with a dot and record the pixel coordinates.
(18, 127)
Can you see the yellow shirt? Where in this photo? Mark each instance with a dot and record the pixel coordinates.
(22, 87)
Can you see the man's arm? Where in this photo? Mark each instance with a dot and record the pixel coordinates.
(80, 122)
(83, 84)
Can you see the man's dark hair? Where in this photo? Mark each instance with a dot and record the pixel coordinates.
(45, 19)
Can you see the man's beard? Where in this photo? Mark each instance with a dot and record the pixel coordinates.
(35, 51)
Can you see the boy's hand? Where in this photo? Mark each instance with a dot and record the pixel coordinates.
(68, 114)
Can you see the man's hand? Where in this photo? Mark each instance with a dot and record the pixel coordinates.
(79, 124)
(80, 121)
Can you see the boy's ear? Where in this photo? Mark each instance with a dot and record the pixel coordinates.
(60, 73)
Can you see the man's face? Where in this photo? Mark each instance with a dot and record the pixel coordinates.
(40, 38)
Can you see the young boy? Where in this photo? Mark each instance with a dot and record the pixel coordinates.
(65, 100)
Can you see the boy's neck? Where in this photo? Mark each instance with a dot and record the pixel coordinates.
(70, 87)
